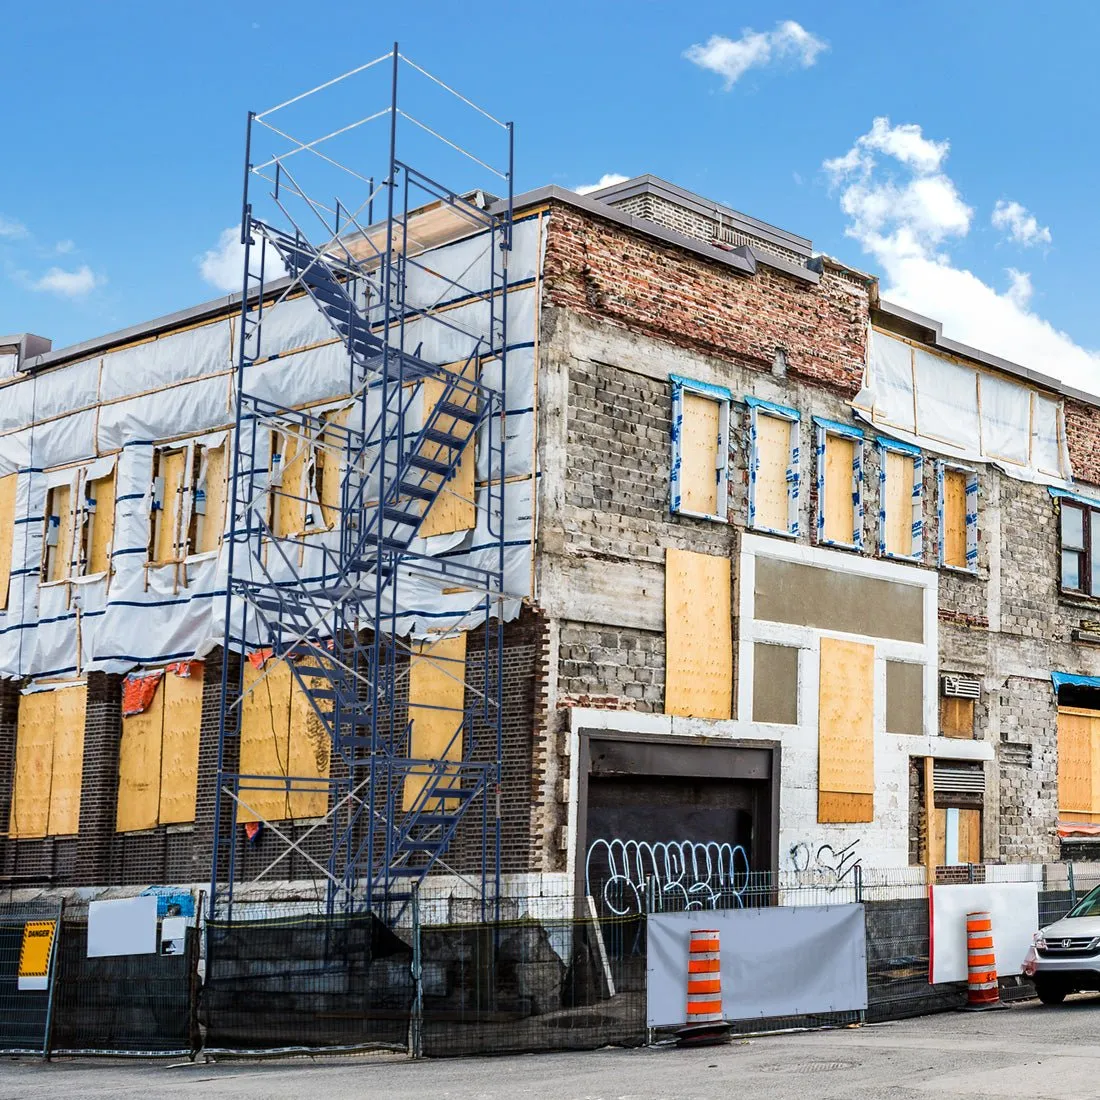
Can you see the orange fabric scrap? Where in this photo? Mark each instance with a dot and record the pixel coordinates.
(259, 657)
(138, 690)
(186, 669)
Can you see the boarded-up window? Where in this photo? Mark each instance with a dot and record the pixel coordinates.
(437, 696)
(453, 509)
(290, 458)
(159, 754)
(49, 761)
(846, 756)
(958, 517)
(330, 458)
(839, 486)
(57, 550)
(699, 456)
(956, 836)
(698, 635)
(208, 505)
(904, 697)
(281, 736)
(7, 533)
(901, 495)
(170, 482)
(773, 474)
(98, 524)
(775, 684)
(1079, 764)
(956, 717)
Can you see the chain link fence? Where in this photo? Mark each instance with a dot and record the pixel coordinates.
(553, 971)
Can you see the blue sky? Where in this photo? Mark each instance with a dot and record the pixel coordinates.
(123, 139)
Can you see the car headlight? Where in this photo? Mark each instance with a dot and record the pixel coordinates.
(1040, 941)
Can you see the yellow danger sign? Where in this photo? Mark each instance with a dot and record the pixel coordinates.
(34, 955)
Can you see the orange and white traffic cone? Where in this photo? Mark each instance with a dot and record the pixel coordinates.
(705, 1022)
(982, 990)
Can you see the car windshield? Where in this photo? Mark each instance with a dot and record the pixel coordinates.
(1088, 906)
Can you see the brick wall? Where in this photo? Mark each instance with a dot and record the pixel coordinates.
(1083, 438)
(610, 667)
(607, 272)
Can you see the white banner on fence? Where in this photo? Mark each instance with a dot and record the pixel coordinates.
(1014, 908)
(124, 927)
(780, 961)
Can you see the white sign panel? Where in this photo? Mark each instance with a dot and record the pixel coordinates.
(780, 961)
(1014, 909)
(124, 927)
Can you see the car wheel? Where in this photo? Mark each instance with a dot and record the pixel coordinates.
(1050, 994)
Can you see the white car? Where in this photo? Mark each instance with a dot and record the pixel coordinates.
(1065, 957)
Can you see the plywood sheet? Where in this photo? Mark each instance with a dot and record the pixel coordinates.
(310, 753)
(453, 510)
(7, 533)
(698, 635)
(330, 460)
(437, 696)
(213, 522)
(1075, 790)
(773, 448)
(61, 555)
(265, 736)
(290, 497)
(172, 469)
(30, 804)
(840, 513)
(846, 760)
(838, 809)
(101, 524)
(939, 837)
(954, 518)
(699, 440)
(899, 503)
(957, 717)
(139, 767)
(68, 760)
(179, 760)
(970, 836)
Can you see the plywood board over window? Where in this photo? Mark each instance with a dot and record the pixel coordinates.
(773, 457)
(208, 513)
(454, 509)
(700, 437)
(1079, 764)
(99, 523)
(170, 481)
(330, 465)
(49, 759)
(840, 509)
(954, 518)
(846, 761)
(58, 545)
(437, 696)
(698, 635)
(898, 503)
(290, 453)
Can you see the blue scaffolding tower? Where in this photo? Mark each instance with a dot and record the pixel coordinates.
(335, 602)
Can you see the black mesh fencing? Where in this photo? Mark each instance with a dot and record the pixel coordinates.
(123, 1004)
(306, 983)
(533, 985)
(24, 1013)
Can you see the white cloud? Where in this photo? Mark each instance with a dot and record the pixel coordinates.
(606, 180)
(1019, 223)
(904, 210)
(12, 229)
(731, 58)
(69, 284)
(223, 265)
(63, 248)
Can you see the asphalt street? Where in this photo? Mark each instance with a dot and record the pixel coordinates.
(1043, 1053)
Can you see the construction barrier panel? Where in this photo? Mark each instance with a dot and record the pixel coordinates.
(776, 961)
(25, 1004)
(1014, 909)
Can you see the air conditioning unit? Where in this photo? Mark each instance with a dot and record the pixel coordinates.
(961, 687)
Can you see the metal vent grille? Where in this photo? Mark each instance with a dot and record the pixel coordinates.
(958, 779)
(1017, 753)
(962, 687)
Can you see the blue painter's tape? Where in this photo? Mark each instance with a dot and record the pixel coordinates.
(888, 444)
(1066, 494)
(839, 429)
(771, 406)
(719, 393)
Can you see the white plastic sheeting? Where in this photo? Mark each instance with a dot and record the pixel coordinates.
(961, 411)
(180, 387)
